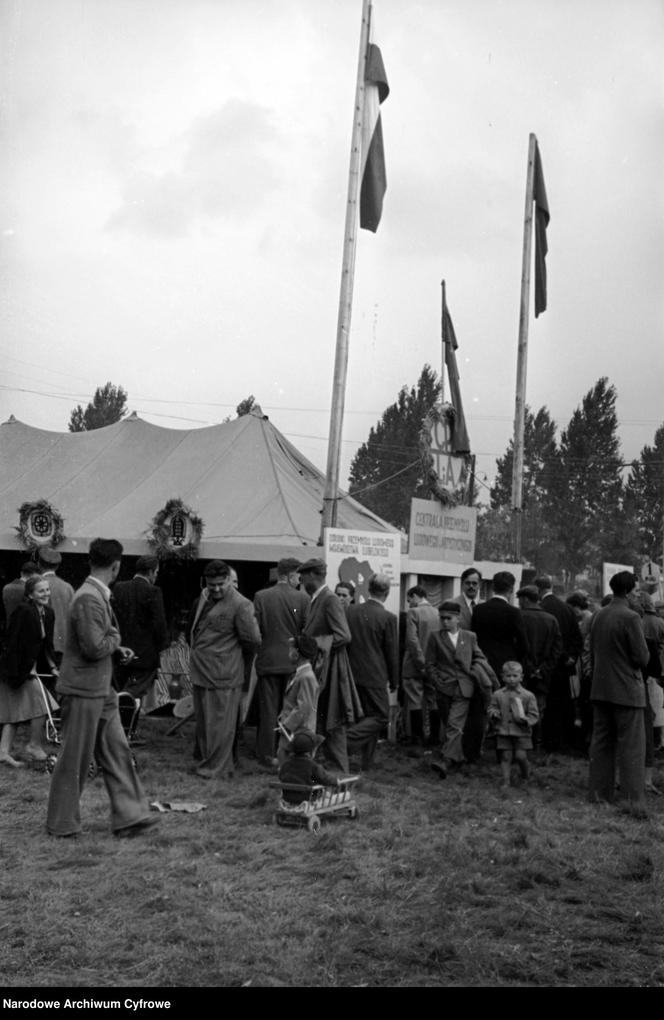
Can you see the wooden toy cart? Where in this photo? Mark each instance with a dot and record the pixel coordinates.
(316, 801)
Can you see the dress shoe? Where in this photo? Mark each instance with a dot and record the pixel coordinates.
(137, 827)
(440, 767)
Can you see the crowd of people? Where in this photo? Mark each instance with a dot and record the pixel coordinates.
(330, 675)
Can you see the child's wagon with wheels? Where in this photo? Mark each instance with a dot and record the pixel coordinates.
(305, 805)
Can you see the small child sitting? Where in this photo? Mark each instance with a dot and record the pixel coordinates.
(300, 769)
(513, 712)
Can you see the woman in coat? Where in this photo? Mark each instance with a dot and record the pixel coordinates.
(28, 650)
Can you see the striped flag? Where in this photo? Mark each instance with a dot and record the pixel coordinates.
(374, 181)
(541, 223)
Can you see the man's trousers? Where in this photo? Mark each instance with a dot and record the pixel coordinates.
(618, 739)
(92, 731)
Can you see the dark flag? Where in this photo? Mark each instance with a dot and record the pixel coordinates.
(541, 223)
(460, 438)
(374, 180)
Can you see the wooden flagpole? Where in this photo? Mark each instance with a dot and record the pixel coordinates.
(522, 355)
(444, 338)
(331, 493)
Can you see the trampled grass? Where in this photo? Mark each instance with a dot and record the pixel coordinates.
(438, 883)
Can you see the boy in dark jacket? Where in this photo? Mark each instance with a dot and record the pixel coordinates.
(300, 769)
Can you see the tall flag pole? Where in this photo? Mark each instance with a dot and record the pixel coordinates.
(535, 193)
(366, 187)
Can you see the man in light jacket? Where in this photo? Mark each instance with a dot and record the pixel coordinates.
(223, 636)
(91, 727)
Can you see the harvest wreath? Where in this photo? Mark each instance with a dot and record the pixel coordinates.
(176, 531)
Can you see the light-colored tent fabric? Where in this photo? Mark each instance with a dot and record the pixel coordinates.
(258, 497)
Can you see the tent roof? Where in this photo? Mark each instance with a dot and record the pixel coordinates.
(258, 497)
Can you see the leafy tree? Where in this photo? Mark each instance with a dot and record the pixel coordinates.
(540, 469)
(108, 406)
(644, 498)
(386, 472)
(245, 406)
(588, 493)
(540, 463)
(495, 534)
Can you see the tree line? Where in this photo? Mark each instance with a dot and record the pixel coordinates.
(582, 504)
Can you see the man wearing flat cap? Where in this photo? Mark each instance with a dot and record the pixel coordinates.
(454, 665)
(338, 704)
(545, 645)
(62, 594)
(281, 612)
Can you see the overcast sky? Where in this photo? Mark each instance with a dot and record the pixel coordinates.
(172, 201)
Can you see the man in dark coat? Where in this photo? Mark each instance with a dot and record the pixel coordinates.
(139, 608)
(339, 703)
(499, 625)
(558, 722)
(545, 643)
(374, 660)
(281, 612)
(618, 653)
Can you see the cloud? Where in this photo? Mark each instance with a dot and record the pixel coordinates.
(228, 168)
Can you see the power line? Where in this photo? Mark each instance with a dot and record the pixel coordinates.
(272, 407)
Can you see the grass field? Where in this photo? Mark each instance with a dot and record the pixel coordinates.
(438, 883)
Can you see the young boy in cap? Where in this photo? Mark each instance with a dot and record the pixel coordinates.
(301, 695)
(300, 769)
(454, 665)
(513, 712)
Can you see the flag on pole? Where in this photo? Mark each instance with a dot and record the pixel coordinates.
(460, 437)
(541, 223)
(374, 181)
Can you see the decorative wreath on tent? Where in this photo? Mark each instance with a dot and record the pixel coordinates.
(445, 415)
(40, 525)
(176, 532)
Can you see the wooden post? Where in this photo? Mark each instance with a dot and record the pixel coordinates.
(331, 493)
(443, 334)
(522, 355)
(471, 485)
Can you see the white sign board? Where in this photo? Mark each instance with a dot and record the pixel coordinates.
(608, 570)
(356, 555)
(442, 533)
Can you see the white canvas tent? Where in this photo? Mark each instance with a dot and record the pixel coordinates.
(258, 497)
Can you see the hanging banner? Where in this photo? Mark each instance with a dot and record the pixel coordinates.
(442, 533)
(354, 556)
